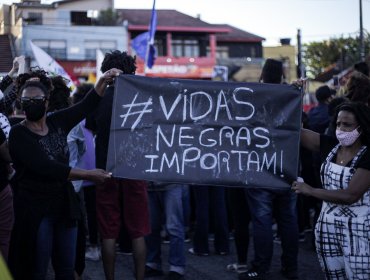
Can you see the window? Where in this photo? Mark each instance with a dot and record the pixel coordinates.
(34, 18)
(253, 52)
(55, 48)
(160, 47)
(92, 46)
(80, 18)
(221, 52)
(185, 47)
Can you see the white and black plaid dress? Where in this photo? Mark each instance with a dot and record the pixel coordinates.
(343, 231)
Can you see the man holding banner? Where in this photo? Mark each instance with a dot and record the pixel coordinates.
(119, 200)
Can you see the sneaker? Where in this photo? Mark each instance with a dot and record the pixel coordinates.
(191, 251)
(166, 240)
(302, 237)
(277, 240)
(289, 273)
(92, 254)
(151, 272)
(173, 275)
(211, 237)
(253, 274)
(187, 238)
(238, 268)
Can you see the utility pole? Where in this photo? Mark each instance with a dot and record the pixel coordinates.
(301, 73)
(362, 43)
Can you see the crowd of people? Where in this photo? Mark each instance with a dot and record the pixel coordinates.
(58, 203)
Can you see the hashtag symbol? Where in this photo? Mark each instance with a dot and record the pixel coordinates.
(144, 109)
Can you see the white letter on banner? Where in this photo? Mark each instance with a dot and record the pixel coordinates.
(159, 131)
(203, 161)
(181, 136)
(255, 130)
(221, 96)
(164, 108)
(227, 135)
(200, 105)
(185, 159)
(212, 141)
(243, 102)
(152, 158)
(175, 159)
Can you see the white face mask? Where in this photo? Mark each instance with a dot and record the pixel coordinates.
(347, 138)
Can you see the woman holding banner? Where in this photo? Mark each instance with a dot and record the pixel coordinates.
(46, 208)
(343, 228)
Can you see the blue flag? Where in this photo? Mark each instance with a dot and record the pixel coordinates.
(143, 44)
(140, 44)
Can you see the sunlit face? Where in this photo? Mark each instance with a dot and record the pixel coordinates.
(346, 121)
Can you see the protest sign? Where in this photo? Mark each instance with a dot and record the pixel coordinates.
(204, 132)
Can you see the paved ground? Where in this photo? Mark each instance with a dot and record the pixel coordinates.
(213, 267)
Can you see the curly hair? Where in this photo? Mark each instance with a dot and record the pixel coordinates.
(358, 88)
(35, 72)
(362, 115)
(59, 96)
(119, 60)
(35, 84)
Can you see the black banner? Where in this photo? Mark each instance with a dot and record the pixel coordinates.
(204, 132)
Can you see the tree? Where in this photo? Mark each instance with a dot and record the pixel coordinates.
(108, 17)
(342, 51)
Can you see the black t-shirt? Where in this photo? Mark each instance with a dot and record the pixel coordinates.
(103, 116)
(3, 164)
(327, 143)
(42, 162)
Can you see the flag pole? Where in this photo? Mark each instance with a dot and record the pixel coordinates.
(151, 37)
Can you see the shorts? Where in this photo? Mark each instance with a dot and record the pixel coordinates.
(122, 200)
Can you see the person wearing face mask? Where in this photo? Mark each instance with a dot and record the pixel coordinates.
(343, 228)
(45, 204)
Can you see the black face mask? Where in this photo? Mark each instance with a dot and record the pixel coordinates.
(34, 111)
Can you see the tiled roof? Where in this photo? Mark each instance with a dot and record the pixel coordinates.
(170, 18)
(236, 35)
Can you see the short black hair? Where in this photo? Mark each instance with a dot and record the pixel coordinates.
(34, 84)
(119, 60)
(362, 115)
(272, 71)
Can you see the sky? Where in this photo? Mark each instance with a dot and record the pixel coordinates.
(271, 19)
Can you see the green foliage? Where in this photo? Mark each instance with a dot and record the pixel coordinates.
(108, 17)
(343, 51)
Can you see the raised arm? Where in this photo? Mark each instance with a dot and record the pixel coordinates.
(71, 116)
(310, 140)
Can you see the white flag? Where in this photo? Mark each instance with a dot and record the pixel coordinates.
(47, 63)
(99, 61)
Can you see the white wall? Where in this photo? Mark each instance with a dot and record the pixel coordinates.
(74, 36)
(84, 5)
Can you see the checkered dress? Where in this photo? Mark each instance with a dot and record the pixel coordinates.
(343, 231)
